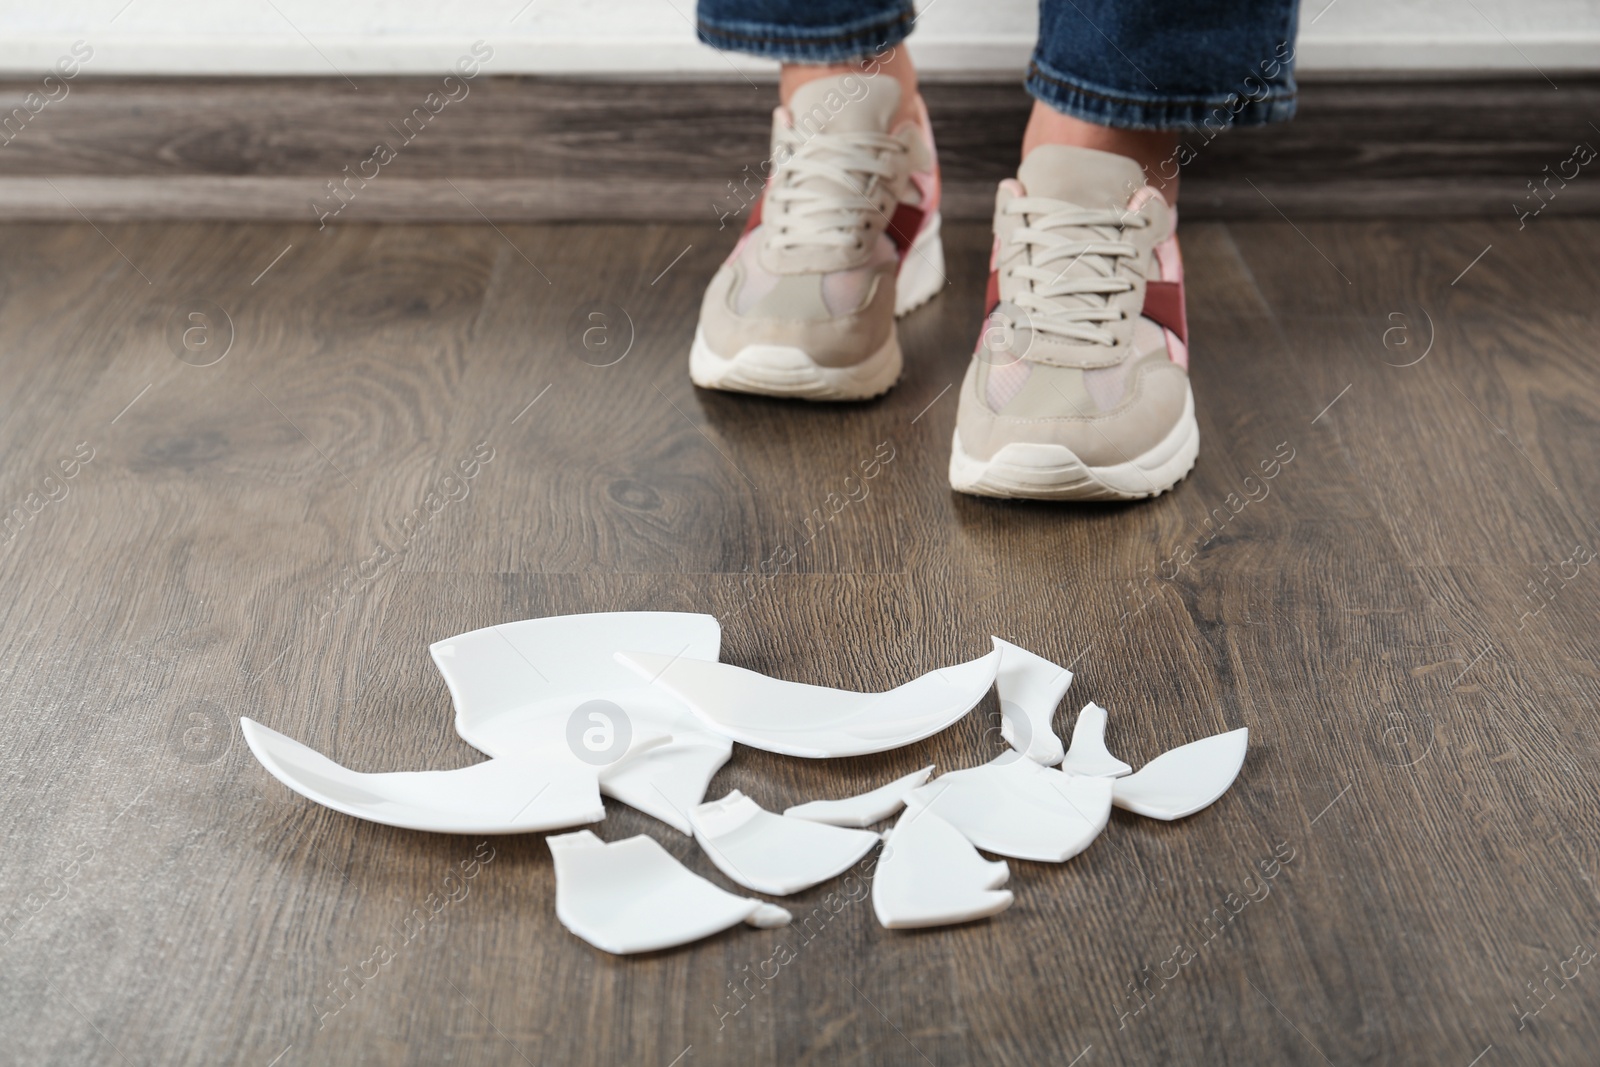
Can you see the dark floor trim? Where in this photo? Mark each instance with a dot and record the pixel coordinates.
(531, 148)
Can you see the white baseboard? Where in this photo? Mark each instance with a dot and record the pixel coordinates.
(22, 57)
(652, 38)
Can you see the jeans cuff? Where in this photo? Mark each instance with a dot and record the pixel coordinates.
(1269, 101)
(789, 43)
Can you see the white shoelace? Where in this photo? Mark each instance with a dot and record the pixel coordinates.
(1072, 307)
(825, 191)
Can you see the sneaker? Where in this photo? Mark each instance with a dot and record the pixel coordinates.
(844, 238)
(1079, 386)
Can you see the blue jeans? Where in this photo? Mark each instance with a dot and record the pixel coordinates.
(1138, 64)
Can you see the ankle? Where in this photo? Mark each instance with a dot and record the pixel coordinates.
(1156, 151)
(892, 63)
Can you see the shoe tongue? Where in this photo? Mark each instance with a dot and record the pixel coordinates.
(1086, 177)
(845, 103)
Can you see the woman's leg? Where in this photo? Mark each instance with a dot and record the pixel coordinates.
(817, 39)
(1156, 80)
(804, 31)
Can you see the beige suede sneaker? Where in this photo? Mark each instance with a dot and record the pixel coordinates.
(1079, 387)
(844, 239)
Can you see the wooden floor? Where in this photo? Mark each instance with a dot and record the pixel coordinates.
(1403, 615)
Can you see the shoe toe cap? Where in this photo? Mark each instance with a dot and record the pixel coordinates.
(1054, 408)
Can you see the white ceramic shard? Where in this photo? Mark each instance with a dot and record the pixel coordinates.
(633, 896)
(667, 782)
(1088, 755)
(506, 681)
(546, 789)
(1183, 780)
(812, 720)
(517, 686)
(865, 809)
(1016, 807)
(773, 853)
(1030, 687)
(930, 875)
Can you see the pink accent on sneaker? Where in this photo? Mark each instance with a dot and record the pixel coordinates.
(991, 295)
(1107, 386)
(845, 291)
(1169, 259)
(1164, 299)
(1006, 381)
(930, 186)
(1177, 350)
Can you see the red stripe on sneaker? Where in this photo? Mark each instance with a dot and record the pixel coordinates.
(904, 226)
(1163, 305)
(755, 214)
(991, 296)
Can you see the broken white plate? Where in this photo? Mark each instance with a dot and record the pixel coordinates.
(1016, 807)
(516, 687)
(812, 720)
(930, 875)
(1183, 780)
(1030, 687)
(1088, 755)
(774, 854)
(546, 789)
(865, 809)
(633, 896)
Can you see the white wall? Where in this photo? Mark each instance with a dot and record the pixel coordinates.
(652, 37)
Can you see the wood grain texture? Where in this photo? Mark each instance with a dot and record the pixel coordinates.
(1420, 693)
(522, 148)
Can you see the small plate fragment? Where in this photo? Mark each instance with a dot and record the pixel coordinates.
(1088, 755)
(1030, 688)
(772, 853)
(930, 875)
(865, 809)
(633, 896)
(1183, 780)
(1015, 807)
(814, 721)
(545, 789)
(667, 782)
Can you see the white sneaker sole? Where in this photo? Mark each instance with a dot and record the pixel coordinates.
(785, 370)
(1052, 472)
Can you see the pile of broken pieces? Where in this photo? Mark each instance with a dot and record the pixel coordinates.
(636, 706)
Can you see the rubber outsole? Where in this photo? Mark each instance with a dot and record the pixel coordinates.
(788, 371)
(1052, 472)
(780, 370)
